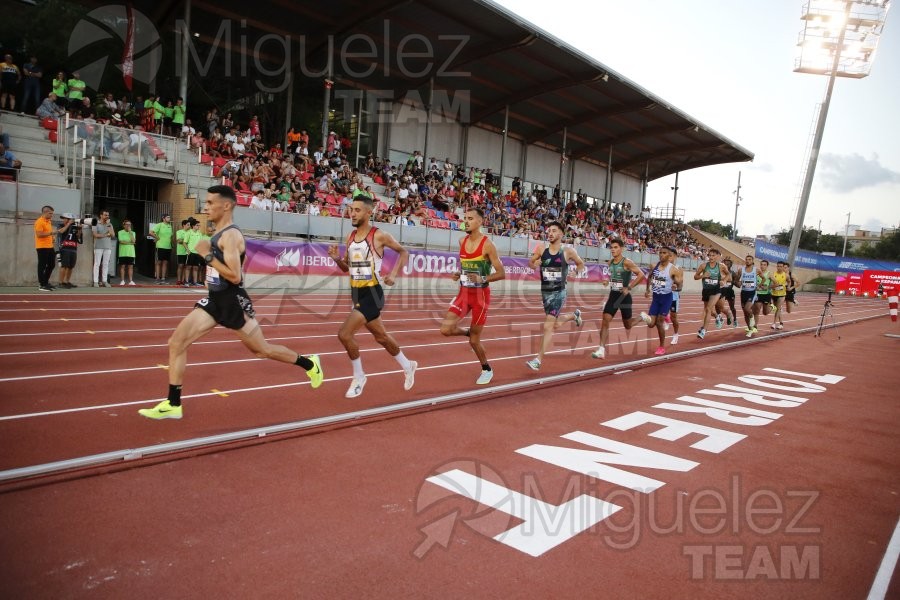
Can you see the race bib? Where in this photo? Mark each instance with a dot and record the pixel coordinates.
(616, 286)
(552, 275)
(212, 276)
(476, 276)
(360, 271)
(710, 281)
(748, 286)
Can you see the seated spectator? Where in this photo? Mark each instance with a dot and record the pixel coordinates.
(8, 159)
(49, 108)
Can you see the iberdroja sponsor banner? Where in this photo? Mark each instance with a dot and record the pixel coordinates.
(822, 262)
(311, 258)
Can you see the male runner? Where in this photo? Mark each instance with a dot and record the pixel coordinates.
(727, 295)
(365, 249)
(763, 303)
(227, 304)
(621, 283)
(477, 255)
(665, 277)
(792, 284)
(747, 278)
(779, 292)
(553, 262)
(713, 274)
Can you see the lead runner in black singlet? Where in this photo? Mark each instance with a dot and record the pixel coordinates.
(227, 304)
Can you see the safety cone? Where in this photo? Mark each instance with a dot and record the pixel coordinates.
(892, 302)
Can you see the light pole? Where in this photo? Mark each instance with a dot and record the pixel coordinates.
(839, 39)
(674, 197)
(846, 233)
(737, 202)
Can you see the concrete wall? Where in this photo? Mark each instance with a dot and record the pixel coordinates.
(19, 264)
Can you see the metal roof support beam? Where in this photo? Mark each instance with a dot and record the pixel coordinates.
(608, 190)
(644, 183)
(186, 33)
(586, 117)
(538, 89)
(562, 159)
(428, 118)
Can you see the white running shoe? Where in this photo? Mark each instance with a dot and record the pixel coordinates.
(356, 387)
(645, 318)
(674, 339)
(578, 320)
(666, 324)
(131, 283)
(599, 353)
(534, 364)
(410, 375)
(485, 377)
(122, 282)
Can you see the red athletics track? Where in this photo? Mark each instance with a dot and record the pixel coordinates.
(76, 368)
(342, 514)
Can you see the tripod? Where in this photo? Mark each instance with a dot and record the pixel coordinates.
(827, 314)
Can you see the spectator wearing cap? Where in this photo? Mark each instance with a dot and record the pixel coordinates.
(162, 234)
(127, 239)
(181, 250)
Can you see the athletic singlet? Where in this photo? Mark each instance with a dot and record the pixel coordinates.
(661, 280)
(554, 270)
(713, 276)
(474, 262)
(619, 276)
(779, 287)
(214, 281)
(763, 283)
(748, 279)
(363, 260)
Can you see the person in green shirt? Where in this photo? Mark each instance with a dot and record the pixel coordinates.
(191, 278)
(205, 235)
(178, 116)
(168, 113)
(182, 250)
(158, 111)
(127, 240)
(76, 90)
(162, 234)
(60, 88)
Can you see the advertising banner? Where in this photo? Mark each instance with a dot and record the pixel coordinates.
(821, 262)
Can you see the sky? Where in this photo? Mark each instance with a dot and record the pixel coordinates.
(729, 65)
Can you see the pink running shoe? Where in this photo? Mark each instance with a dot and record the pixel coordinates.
(660, 351)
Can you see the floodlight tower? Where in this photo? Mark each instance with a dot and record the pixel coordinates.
(839, 39)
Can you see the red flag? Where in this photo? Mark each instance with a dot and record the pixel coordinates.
(128, 51)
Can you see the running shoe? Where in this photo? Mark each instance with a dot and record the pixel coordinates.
(674, 339)
(774, 325)
(660, 351)
(163, 410)
(734, 324)
(485, 377)
(534, 364)
(780, 326)
(106, 284)
(727, 320)
(773, 308)
(645, 318)
(747, 329)
(132, 283)
(356, 387)
(599, 353)
(121, 283)
(410, 375)
(752, 322)
(755, 330)
(750, 332)
(718, 321)
(316, 376)
(578, 320)
(44, 288)
(702, 333)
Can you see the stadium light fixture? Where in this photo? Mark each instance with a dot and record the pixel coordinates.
(839, 39)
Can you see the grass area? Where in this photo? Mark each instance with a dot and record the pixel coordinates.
(822, 281)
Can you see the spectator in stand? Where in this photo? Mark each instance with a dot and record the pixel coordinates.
(60, 87)
(168, 112)
(127, 239)
(293, 141)
(10, 76)
(49, 108)
(178, 112)
(227, 122)
(8, 161)
(75, 87)
(257, 202)
(33, 73)
(104, 234)
(254, 128)
(331, 144)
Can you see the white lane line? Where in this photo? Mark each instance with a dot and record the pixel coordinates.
(886, 570)
(347, 377)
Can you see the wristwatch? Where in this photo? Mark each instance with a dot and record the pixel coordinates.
(209, 258)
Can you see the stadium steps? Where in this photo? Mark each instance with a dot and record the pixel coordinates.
(29, 143)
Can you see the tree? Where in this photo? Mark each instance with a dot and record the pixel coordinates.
(713, 227)
(808, 238)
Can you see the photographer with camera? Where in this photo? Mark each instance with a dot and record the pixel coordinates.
(104, 236)
(70, 237)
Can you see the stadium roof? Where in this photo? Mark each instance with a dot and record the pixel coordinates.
(548, 84)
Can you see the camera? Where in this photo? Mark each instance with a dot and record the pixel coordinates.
(85, 221)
